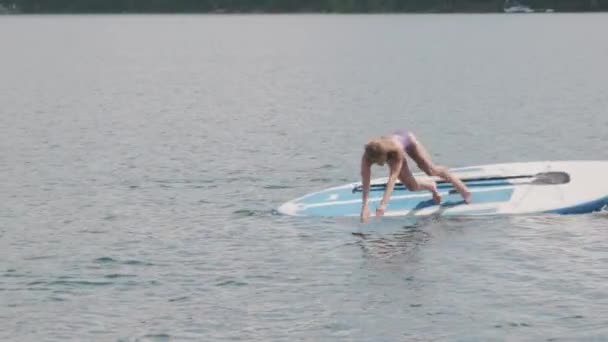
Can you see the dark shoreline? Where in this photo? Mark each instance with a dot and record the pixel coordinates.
(299, 7)
(242, 7)
(548, 11)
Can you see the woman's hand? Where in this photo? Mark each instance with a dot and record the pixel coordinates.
(364, 214)
(380, 210)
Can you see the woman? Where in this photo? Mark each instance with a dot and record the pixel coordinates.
(392, 150)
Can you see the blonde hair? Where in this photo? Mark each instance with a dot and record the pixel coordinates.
(380, 149)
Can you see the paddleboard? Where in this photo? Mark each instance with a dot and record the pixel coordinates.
(558, 187)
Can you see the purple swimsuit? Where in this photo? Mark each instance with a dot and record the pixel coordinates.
(403, 137)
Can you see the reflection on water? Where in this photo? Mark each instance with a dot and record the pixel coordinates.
(389, 238)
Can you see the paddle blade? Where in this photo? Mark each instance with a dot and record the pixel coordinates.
(554, 177)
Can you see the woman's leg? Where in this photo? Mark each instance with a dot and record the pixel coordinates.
(413, 184)
(422, 158)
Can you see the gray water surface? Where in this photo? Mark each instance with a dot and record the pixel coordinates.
(142, 158)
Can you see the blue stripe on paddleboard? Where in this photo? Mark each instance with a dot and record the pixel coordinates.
(582, 208)
(330, 196)
(452, 200)
(346, 194)
(408, 203)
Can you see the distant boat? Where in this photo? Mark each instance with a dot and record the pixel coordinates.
(516, 8)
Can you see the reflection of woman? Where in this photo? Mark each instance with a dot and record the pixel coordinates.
(392, 150)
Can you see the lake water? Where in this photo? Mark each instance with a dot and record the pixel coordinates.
(142, 158)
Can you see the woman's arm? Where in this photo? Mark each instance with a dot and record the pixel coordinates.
(366, 171)
(394, 170)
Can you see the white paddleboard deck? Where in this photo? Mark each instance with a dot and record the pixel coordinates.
(498, 189)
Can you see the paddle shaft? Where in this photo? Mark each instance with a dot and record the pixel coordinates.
(441, 184)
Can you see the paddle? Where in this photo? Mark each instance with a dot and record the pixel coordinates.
(542, 178)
